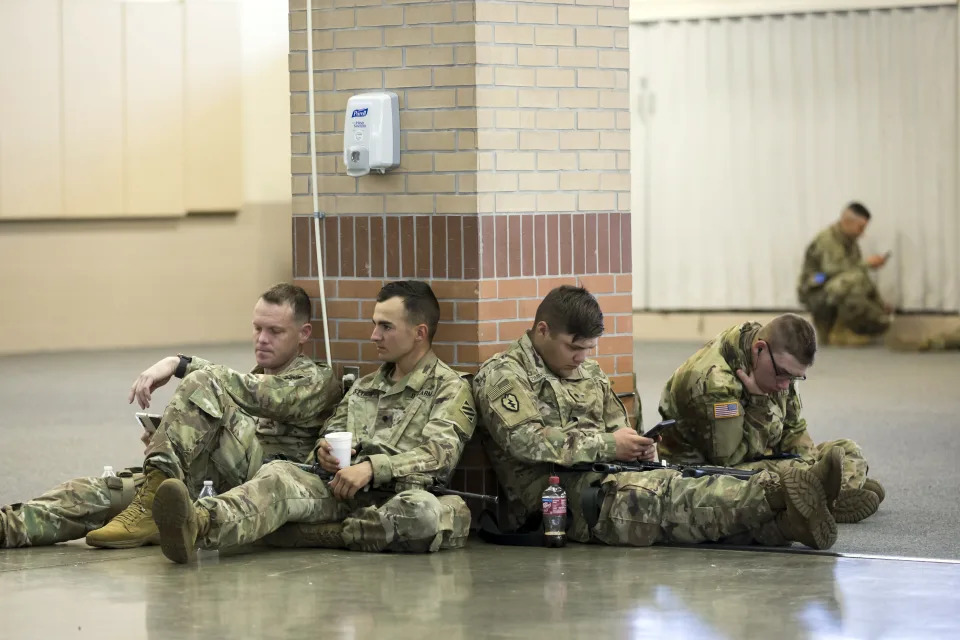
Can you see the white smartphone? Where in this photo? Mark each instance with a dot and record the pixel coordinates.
(149, 421)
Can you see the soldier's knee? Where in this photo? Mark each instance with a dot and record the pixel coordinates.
(415, 516)
(455, 519)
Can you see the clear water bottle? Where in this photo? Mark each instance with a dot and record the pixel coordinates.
(207, 556)
(108, 472)
(208, 491)
(554, 504)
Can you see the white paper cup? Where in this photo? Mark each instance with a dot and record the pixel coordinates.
(340, 442)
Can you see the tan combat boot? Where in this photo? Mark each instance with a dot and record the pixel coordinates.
(841, 336)
(872, 485)
(327, 535)
(180, 521)
(829, 471)
(854, 505)
(807, 518)
(134, 526)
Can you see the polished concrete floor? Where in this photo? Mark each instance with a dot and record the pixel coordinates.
(479, 592)
(63, 415)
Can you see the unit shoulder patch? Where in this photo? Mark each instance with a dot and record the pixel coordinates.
(510, 402)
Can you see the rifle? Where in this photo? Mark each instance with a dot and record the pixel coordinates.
(686, 470)
(435, 489)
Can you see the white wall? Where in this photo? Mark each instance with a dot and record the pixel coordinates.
(180, 281)
(750, 134)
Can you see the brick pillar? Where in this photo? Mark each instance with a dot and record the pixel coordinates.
(514, 173)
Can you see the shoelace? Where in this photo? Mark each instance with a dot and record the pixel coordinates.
(133, 512)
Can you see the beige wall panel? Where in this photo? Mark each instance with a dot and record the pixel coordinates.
(214, 161)
(153, 109)
(92, 108)
(30, 184)
(97, 284)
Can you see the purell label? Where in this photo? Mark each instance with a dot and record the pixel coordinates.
(554, 506)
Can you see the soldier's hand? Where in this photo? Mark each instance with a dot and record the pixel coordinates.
(876, 261)
(145, 439)
(153, 378)
(649, 453)
(326, 458)
(631, 445)
(350, 480)
(749, 383)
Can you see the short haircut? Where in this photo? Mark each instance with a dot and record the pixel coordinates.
(859, 209)
(791, 333)
(292, 295)
(418, 301)
(571, 310)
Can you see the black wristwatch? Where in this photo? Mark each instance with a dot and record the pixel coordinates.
(181, 369)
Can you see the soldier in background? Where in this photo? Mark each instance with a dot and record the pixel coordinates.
(543, 404)
(410, 419)
(736, 402)
(835, 285)
(219, 425)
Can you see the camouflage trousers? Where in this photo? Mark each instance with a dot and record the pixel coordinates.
(205, 436)
(855, 466)
(644, 508)
(412, 520)
(849, 298)
(68, 511)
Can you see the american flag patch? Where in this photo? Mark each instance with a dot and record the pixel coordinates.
(726, 410)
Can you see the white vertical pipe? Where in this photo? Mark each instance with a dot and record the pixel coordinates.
(313, 183)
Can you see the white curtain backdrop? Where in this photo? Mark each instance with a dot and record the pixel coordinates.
(750, 134)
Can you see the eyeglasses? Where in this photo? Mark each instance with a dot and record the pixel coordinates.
(780, 373)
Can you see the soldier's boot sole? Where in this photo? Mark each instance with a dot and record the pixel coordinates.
(805, 496)
(829, 471)
(854, 505)
(297, 535)
(176, 518)
(872, 485)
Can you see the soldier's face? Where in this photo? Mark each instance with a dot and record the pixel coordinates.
(853, 225)
(560, 351)
(276, 335)
(393, 334)
(774, 371)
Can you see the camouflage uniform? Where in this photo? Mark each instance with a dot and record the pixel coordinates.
(848, 296)
(412, 432)
(218, 425)
(534, 420)
(719, 422)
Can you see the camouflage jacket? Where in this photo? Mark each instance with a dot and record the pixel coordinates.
(831, 252)
(534, 420)
(290, 407)
(718, 421)
(415, 426)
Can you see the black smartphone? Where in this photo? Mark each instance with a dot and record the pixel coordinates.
(149, 421)
(654, 433)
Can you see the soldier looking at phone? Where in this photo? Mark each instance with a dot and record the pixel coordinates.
(219, 425)
(737, 404)
(835, 284)
(546, 407)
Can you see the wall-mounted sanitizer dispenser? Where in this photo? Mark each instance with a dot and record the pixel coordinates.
(371, 134)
